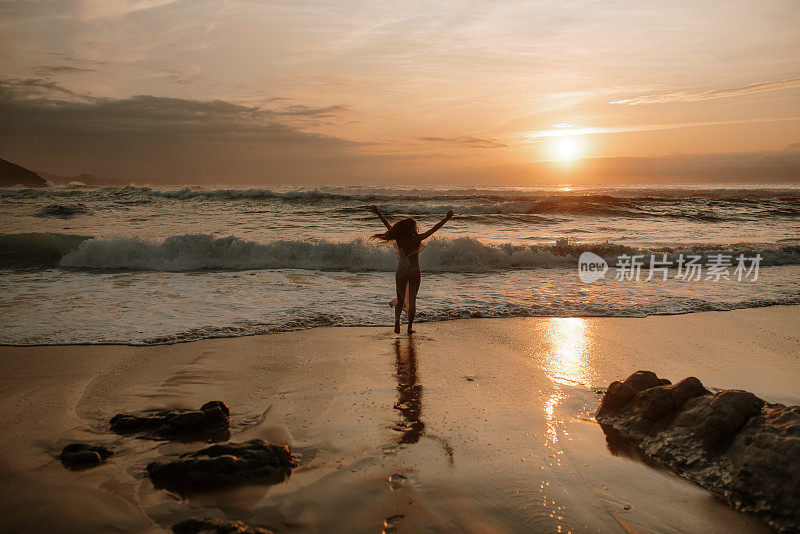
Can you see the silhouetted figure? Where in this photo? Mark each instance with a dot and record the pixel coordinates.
(408, 241)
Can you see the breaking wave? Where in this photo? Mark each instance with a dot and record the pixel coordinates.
(191, 252)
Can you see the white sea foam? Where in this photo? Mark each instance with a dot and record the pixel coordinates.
(145, 307)
(205, 251)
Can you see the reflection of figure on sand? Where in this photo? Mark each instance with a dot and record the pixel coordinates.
(409, 398)
(409, 392)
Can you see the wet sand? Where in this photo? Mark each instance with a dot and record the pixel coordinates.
(482, 425)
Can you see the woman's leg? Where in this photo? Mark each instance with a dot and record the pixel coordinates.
(413, 287)
(400, 284)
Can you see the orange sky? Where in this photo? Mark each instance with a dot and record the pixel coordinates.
(246, 91)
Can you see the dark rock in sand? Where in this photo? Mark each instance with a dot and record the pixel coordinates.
(217, 526)
(82, 455)
(730, 442)
(211, 421)
(223, 465)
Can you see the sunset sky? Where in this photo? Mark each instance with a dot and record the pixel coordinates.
(350, 91)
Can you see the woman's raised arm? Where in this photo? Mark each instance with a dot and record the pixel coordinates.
(377, 212)
(438, 225)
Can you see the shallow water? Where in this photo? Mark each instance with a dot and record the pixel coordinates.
(148, 265)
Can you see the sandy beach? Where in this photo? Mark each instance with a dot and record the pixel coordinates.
(481, 425)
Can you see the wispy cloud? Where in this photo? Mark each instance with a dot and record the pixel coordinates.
(98, 9)
(60, 69)
(184, 76)
(688, 96)
(569, 132)
(85, 63)
(310, 112)
(55, 96)
(472, 142)
(15, 89)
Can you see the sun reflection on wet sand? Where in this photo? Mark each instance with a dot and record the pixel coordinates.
(566, 363)
(550, 417)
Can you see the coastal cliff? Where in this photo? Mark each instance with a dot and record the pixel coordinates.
(12, 174)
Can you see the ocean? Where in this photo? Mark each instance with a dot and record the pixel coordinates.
(152, 265)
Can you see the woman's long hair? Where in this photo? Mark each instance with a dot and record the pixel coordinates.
(403, 232)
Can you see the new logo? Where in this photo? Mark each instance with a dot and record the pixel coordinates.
(591, 267)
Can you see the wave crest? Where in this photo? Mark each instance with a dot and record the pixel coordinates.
(203, 251)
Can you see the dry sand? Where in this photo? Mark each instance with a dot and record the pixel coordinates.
(480, 425)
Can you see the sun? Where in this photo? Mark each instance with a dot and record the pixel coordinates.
(566, 148)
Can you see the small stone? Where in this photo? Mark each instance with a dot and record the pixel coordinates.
(78, 456)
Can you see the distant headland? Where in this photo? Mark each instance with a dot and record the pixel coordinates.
(12, 175)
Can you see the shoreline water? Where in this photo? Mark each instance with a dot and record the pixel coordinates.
(142, 265)
(421, 319)
(486, 424)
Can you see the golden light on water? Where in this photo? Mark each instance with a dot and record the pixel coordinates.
(566, 362)
(550, 417)
(569, 341)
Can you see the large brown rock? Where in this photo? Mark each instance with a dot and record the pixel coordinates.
(224, 464)
(730, 442)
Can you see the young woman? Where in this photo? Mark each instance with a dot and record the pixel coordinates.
(408, 241)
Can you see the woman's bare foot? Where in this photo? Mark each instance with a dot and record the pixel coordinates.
(397, 327)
